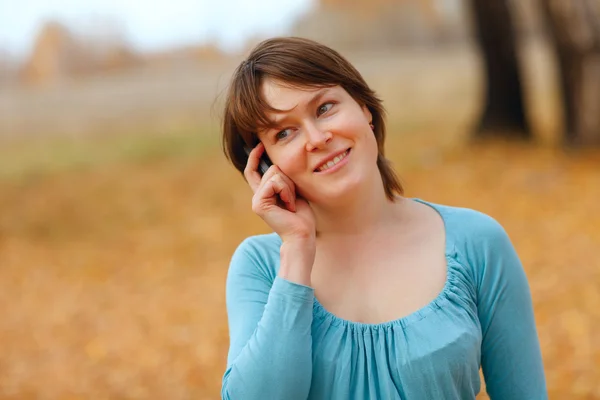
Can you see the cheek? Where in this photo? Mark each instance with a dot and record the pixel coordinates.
(372, 142)
(292, 164)
(352, 126)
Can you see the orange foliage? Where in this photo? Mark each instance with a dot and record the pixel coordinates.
(112, 280)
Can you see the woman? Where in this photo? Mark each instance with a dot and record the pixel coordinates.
(360, 293)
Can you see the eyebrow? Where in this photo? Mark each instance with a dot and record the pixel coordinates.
(315, 99)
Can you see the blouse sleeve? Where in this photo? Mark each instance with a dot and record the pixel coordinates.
(270, 353)
(511, 356)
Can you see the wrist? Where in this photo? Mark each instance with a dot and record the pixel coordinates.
(297, 258)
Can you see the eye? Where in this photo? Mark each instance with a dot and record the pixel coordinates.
(324, 108)
(283, 134)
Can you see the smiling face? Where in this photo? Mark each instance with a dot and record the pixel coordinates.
(316, 129)
(321, 139)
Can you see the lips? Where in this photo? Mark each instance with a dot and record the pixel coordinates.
(332, 160)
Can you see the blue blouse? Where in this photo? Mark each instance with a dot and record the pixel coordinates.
(285, 345)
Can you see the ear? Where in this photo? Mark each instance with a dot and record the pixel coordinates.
(367, 113)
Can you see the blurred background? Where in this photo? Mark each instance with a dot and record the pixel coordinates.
(119, 213)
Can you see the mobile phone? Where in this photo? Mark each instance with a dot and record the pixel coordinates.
(265, 163)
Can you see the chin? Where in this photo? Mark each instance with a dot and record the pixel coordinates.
(336, 193)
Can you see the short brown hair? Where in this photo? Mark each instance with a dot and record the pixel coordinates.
(300, 63)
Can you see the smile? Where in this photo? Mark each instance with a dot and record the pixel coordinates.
(332, 163)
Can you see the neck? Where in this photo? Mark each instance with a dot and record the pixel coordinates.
(366, 213)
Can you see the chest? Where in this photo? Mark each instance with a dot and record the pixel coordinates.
(381, 282)
(437, 350)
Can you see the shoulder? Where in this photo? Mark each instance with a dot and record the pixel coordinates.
(257, 255)
(474, 238)
(466, 227)
(482, 249)
(260, 246)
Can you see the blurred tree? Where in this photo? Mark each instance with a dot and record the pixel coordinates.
(574, 29)
(59, 52)
(383, 24)
(47, 61)
(5, 66)
(504, 112)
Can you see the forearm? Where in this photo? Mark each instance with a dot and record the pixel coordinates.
(511, 358)
(276, 362)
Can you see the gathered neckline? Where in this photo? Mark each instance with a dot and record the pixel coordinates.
(435, 304)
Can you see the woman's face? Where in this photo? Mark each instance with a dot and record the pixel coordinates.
(322, 141)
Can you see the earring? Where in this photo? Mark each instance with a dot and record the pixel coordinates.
(372, 126)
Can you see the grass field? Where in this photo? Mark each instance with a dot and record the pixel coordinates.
(114, 248)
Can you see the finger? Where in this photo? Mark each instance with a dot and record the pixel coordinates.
(253, 176)
(291, 185)
(269, 193)
(265, 195)
(285, 192)
(272, 171)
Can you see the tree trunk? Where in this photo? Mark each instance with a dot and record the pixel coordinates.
(574, 30)
(504, 112)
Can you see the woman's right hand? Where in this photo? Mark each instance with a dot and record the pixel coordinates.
(276, 202)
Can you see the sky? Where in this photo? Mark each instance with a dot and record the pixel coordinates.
(151, 25)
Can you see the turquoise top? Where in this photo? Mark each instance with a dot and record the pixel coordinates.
(285, 345)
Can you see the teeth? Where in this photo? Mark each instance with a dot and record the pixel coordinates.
(330, 164)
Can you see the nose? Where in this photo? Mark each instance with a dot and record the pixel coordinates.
(316, 138)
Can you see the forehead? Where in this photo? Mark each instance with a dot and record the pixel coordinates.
(285, 97)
